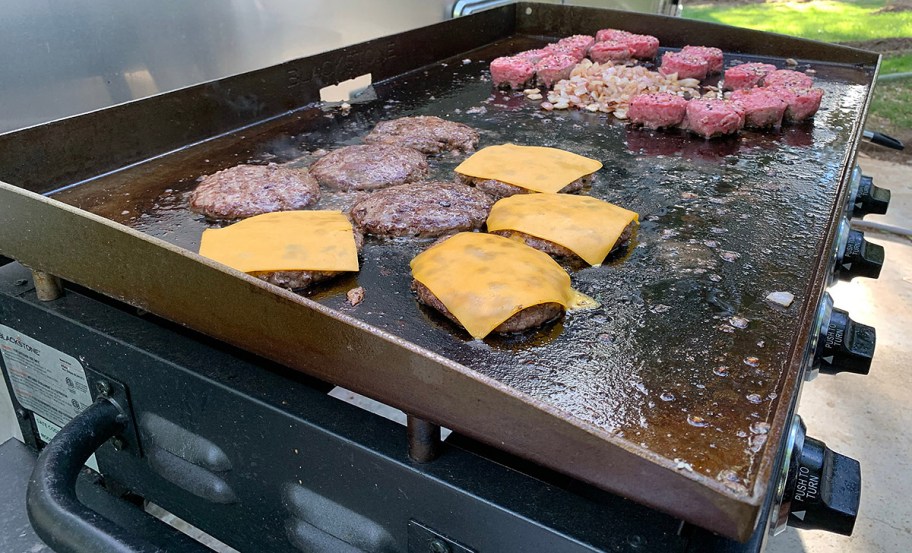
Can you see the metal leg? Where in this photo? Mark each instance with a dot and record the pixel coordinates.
(47, 286)
(423, 439)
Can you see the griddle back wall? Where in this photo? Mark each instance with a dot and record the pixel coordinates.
(53, 155)
(50, 156)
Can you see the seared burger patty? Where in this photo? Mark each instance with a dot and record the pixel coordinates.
(369, 167)
(247, 190)
(530, 317)
(423, 209)
(425, 133)
(499, 189)
(297, 280)
(557, 250)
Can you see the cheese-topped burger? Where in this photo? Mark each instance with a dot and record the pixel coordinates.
(574, 227)
(488, 283)
(508, 169)
(292, 249)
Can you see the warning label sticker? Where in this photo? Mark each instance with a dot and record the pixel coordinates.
(45, 381)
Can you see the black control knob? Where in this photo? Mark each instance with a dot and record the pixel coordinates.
(844, 345)
(858, 258)
(822, 488)
(869, 199)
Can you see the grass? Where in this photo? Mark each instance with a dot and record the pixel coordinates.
(896, 64)
(826, 20)
(893, 102)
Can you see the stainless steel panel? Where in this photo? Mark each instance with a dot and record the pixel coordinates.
(64, 58)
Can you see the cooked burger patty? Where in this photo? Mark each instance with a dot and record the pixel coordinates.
(499, 189)
(296, 280)
(369, 167)
(248, 190)
(425, 133)
(557, 250)
(423, 209)
(530, 317)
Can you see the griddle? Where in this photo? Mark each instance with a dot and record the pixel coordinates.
(674, 393)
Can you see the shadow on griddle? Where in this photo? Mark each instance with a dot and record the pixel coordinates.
(688, 146)
(333, 287)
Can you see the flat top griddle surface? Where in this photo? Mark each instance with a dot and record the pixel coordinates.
(684, 358)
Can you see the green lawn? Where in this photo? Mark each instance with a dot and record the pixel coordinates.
(824, 20)
(897, 64)
(893, 102)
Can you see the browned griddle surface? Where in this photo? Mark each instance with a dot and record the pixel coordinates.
(667, 393)
(684, 358)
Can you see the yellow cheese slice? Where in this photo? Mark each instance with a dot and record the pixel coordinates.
(484, 279)
(531, 167)
(586, 226)
(285, 241)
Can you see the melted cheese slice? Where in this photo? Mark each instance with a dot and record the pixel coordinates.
(285, 241)
(586, 226)
(531, 167)
(484, 279)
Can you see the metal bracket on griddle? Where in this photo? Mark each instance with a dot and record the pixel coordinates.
(101, 385)
(424, 442)
(47, 286)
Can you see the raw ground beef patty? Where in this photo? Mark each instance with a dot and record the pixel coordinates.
(247, 190)
(424, 209)
(512, 72)
(763, 108)
(710, 118)
(803, 103)
(654, 111)
(788, 78)
(713, 56)
(296, 280)
(530, 317)
(609, 50)
(746, 75)
(369, 167)
(687, 66)
(576, 46)
(554, 68)
(426, 133)
(640, 46)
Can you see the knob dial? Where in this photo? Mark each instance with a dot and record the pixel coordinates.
(821, 489)
(869, 199)
(855, 256)
(844, 345)
(839, 344)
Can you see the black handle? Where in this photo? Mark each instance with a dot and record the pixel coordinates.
(881, 139)
(57, 515)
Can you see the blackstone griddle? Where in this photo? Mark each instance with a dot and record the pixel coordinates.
(677, 393)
